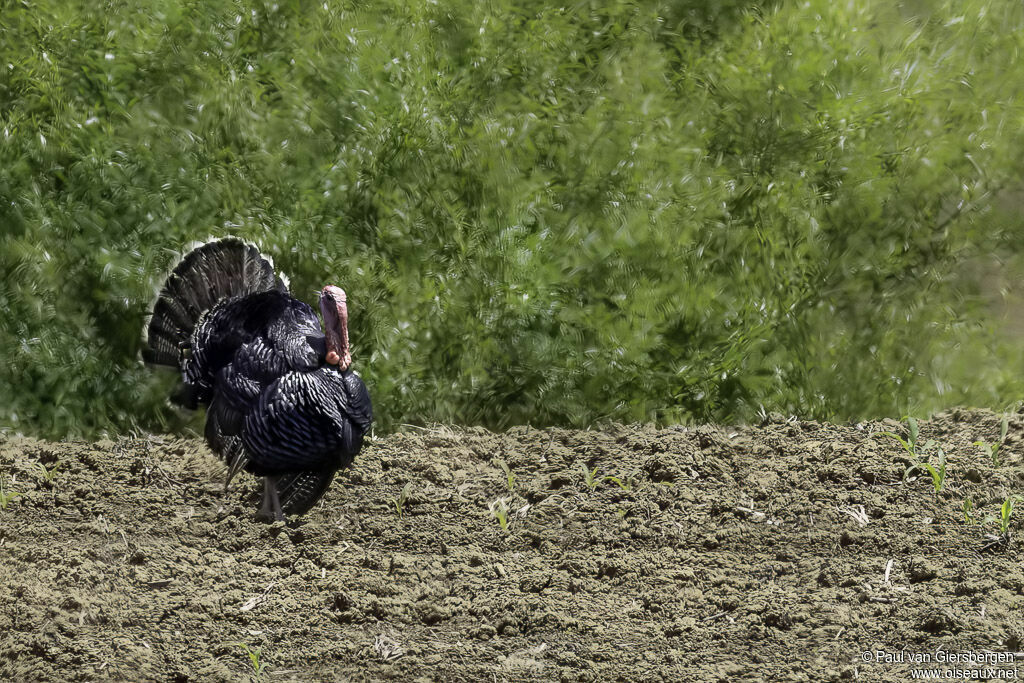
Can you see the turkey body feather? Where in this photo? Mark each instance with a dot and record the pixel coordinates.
(256, 356)
(307, 420)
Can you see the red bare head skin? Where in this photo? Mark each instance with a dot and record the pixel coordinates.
(334, 309)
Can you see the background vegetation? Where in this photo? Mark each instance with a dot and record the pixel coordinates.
(659, 211)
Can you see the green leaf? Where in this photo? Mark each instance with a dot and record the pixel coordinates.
(912, 424)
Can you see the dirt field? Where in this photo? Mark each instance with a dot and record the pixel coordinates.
(780, 551)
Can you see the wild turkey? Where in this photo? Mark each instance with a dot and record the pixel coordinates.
(282, 401)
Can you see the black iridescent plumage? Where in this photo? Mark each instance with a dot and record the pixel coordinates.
(256, 357)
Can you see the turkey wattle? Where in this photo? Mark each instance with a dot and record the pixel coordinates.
(281, 399)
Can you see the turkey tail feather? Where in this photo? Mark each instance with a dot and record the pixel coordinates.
(224, 424)
(236, 458)
(224, 268)
(300, 491)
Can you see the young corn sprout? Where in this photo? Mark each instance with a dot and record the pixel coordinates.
(254, 658)
(915, 450)
(969, 511)
(910, 443)
(1004, 515)
(46, 474)
(938, 474)
(510, 477)
(400, 500)
(499, 510)
(5, 497)
(626, 485)
(993, 449)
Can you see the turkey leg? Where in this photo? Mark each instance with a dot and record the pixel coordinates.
(271, 508)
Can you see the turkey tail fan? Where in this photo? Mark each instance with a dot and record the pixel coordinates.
(300, 491)
(210, 272)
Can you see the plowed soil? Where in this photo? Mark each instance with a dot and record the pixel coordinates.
(780, 551)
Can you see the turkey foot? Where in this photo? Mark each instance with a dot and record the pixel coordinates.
(271, 509)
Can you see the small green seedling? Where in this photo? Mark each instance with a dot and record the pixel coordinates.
(624, 485)
(938, 474)
(590, 477)
(6, 498)
(910, 443)
(1004, 515)
(402, 498)
(969, 511)
(499, 510)
(46, 474)
(510, 477)
(993, 449)
(254, 658)
(915, 450)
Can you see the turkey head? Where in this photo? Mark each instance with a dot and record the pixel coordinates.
(334, 309)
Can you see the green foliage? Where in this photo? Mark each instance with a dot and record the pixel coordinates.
(499, 510)
(969, 516)
(936, 472)
(1005, 512)
(590, 477)
(993, 449)
(916, 451)
(258, 667)
(510, 477)
(6, 497)
(910, 444)
(401, 499)
(47, 474)
(626, 485)
(541, 213)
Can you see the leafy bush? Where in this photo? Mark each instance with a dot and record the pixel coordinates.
(635, 211)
